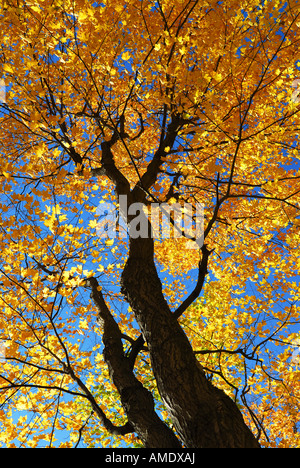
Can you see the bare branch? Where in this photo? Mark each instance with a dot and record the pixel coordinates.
(201, 277)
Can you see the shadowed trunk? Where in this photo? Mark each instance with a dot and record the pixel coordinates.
(203, 416)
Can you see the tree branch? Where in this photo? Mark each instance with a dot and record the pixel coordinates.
(136, 400)
(201, 277)
(168, 137)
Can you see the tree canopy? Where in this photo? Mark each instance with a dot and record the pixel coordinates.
(181, 101)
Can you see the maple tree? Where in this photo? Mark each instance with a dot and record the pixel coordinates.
(145, 342)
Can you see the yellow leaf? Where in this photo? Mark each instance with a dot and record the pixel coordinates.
(35, 8)
(82, 15)
(93, 224)
(83, 324)
(8, 68)
(126, 56)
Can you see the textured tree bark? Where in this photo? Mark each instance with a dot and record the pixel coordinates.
(203, 416)
(136, 400)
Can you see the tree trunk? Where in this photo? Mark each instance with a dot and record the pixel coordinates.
(203, 416)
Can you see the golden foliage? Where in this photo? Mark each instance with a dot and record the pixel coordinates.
(74, 71)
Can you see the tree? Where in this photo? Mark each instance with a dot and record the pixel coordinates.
(159, 102)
